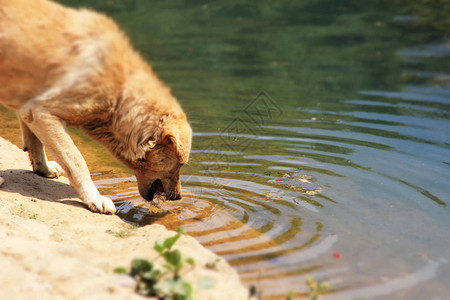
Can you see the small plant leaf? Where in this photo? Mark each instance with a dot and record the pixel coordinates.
(169, 242)
(316, 288)
(157, 274)
(175, 288)
(166, 287)
(187, 290)
(173, 258)
(121, 270)
(191, 261)
(291, 295)
(159, 246)
(122, 234)
(139, 266)
(151, 276)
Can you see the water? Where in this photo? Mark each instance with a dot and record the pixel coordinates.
(321, 141)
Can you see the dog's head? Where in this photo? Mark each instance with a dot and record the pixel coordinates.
(149, 133)
(158, 170)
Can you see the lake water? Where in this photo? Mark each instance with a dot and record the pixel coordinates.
(321, 141)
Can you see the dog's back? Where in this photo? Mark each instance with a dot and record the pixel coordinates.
(42, 41)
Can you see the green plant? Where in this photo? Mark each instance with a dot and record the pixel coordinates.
(34, 216)
(175, 287)
(291, 295)
(123, 234)
(146, 275)
(133, 227)
(167, 283)
(316, 288)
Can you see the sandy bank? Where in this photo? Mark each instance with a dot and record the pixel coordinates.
(52, 247)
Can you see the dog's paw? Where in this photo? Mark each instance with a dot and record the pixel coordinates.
(54, 169)
(102, 205)
(51, 170)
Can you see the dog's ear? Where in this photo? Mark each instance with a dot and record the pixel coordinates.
(177, 135)
(180, 146)
(171, 139)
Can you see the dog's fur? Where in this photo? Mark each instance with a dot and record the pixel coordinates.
(64, 67)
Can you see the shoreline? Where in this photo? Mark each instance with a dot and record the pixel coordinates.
(53, 247)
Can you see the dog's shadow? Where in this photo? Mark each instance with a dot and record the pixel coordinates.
(29, 184)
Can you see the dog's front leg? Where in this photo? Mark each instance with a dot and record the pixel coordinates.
(37, 156)
(52, 131)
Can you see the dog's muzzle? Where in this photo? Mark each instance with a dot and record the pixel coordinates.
(157, 188)
(173, 195)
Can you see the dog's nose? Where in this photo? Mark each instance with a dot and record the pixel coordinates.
(173, 195)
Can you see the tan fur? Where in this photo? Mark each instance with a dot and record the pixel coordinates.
(63, 67)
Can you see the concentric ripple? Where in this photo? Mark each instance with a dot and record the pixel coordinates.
(353, 193)
(252, 225)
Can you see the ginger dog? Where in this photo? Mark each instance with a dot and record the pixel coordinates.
(63, 67)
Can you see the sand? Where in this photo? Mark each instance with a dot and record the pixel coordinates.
(53, 247)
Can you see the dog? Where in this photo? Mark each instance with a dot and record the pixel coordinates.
(63, 67)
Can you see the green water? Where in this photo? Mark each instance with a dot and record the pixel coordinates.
(321, 129)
